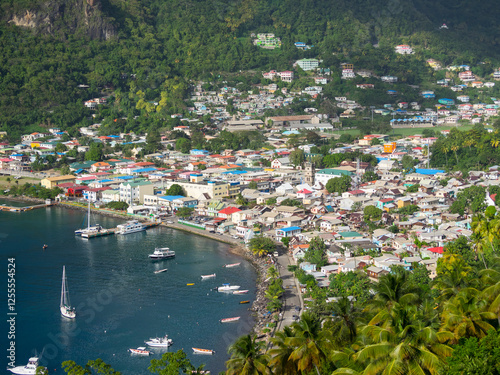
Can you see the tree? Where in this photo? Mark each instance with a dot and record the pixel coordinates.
(370, 176)
(297, 157)
(240, 200)
(372, 213)
(339, 184)
(115, 205)
(95, 152)
(175, 189)
(280, 361)
(184, 212)
(262, 245)
(171, 364)
(291, 202)
(183, 145)
(311, 344)
(285, 241)
(408, 162)
(61, 147)
(247, 357)
(413, 188)
(375, 142)
(97, 366)
(252, 185)
(316, 253)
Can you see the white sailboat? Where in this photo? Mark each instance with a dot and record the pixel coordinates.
(66, 309)
(89, 229)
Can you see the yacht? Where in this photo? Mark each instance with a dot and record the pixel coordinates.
(130, 226)
(90, 228)
(29, 369)
(162, 253)
(162, 342)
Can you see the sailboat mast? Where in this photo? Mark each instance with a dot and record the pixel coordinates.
(63, 289)
(88, 217)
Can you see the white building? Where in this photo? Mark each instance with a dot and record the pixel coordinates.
(404, 49)
(308, 64)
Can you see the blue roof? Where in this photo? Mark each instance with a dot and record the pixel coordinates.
(125, 177)
(290, 229)
(108, 180)
(170, 198)
(142, 170)
(234, 172)
(113, 136)
(81, 170)
(428, 171)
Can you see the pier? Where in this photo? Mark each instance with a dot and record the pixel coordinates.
(26, 208)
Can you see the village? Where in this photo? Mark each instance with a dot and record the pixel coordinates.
(373, 201)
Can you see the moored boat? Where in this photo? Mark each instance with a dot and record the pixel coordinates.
(232, 265)
(203, 351)
(229, 320)
(90, 228)
(140, 351)
(29, 369)
(242, 302)
(207, 276)
(160, 271)
(65, 306)
(160, 342)
(240, 292)
(130, 226)
(227, 288)
(162, 253)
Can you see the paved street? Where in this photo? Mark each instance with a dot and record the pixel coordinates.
(291, 297)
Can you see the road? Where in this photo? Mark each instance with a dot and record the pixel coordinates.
(292, 296)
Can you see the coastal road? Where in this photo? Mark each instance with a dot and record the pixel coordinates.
(292, 297)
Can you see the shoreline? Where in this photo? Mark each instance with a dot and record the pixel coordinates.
(259, 305)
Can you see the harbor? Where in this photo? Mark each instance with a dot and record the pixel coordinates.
(120, 299)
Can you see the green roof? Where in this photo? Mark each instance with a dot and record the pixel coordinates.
(350, 234)
(335, 172)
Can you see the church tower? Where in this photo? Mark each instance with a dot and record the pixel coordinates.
(309, 172)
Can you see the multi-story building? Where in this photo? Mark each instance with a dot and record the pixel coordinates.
(134, 191)
(404, 49)
(308, 64)
(324, 175)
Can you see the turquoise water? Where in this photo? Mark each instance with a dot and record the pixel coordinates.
(120, 301)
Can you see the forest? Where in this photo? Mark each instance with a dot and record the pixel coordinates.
(143, 51)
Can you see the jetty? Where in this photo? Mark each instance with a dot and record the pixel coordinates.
(101, 233)
(25, 208)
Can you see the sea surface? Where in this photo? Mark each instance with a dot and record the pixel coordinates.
(120, 301)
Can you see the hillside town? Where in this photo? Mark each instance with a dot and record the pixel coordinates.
(371, 215)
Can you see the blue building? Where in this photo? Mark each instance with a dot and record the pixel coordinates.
(288, 232)
(199, 152)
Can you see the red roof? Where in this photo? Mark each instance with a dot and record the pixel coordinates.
(304, 191)
(228, 210)
(438, 250)
(493, 196)
(355, 192)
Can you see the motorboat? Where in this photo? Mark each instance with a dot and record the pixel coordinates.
(160, 271)
(227, 288)
(65, 306)
(203, 351)
(240, 292)
(130, 226)
(231, 265)
(160, 342)
(242, 302)
(140, 351)
(230, 320)
(29, 369)
(162, 253)
(207, 276)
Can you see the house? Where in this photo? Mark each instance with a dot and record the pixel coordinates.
(134, 191)
(324, 175)
(280, 163)
(375, 272)
(287, 232)
(227, 212)
(52, 182)
(389, 79)
(308, 64)
(404, 49)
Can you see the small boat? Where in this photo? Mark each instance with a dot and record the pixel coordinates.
(229, 320)
(207, 276)
(130, 226)
(189, 284)
(232, 265)
(162, 253)
(203, 351)
(160, 342)
(45, 246)
(227, 288)
(29, 369)
(66, 310)
(140, 351)
(242, 302)
(240, 292)
(160, 271)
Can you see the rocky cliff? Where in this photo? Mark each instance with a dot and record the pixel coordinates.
(65, 17)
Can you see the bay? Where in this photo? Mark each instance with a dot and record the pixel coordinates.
(120, 301)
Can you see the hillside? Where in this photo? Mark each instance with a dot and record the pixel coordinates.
(58, 45)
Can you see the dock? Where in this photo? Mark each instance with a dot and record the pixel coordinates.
(102, 233)
(26, 208)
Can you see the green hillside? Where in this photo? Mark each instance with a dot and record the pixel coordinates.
(162, 44)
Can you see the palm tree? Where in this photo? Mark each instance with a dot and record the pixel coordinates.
(247, 357)
(272, 272)
(486, 227)
(445, 150)
(280, 361)
(310, 343)
(455, 148)
(451, 282)
(399, 342)
(491, 278)
(465, 315)
(391, 289)
(344, 323)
